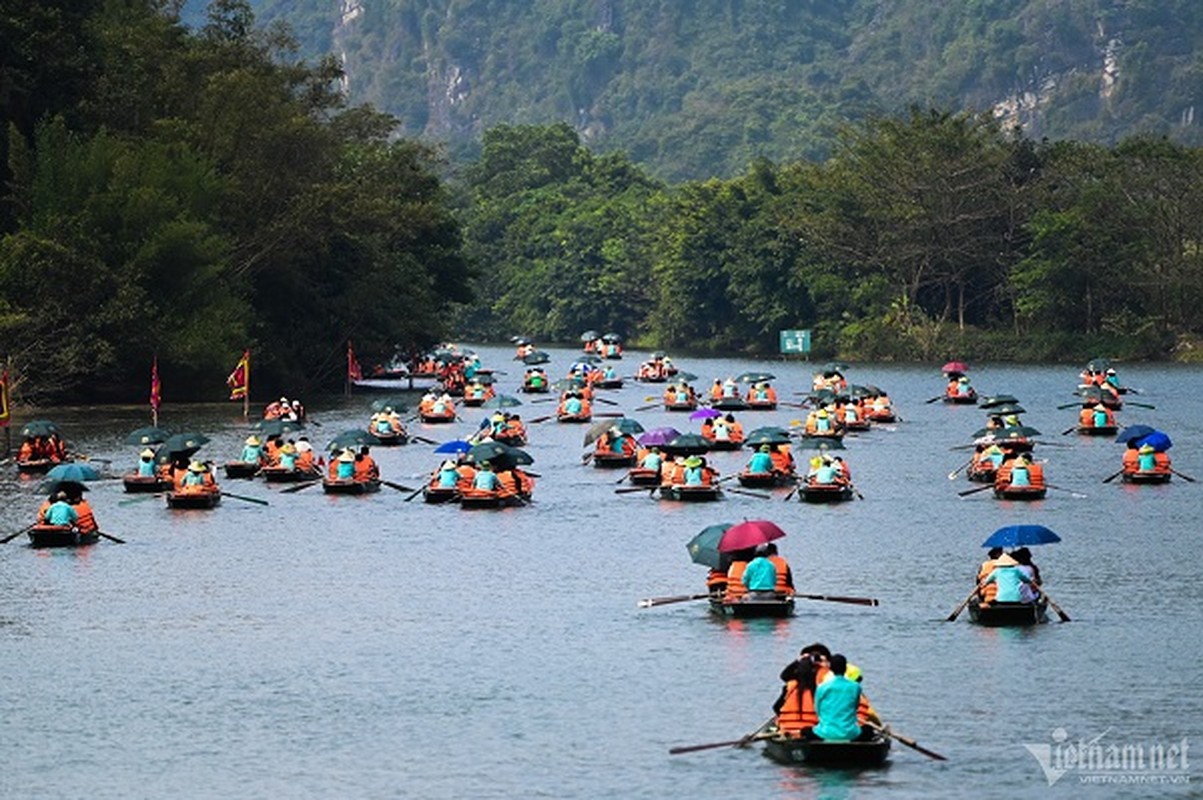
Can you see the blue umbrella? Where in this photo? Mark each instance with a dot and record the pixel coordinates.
(1134, 432)
(73, 471)
(454, 446)
(1157, 440)
(1021, 536)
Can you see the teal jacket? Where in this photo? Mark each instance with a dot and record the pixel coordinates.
(760, 463)
(60, 513)
(760, 575)
(1009, 579)
(836, 701)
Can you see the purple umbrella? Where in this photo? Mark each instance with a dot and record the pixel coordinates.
(706, 413)
(658, 436)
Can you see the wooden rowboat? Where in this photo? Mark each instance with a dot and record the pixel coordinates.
(440, 494)
(344, 486)
(984, 472)
(1020, 492)
(611, 383)
(584, 416)
(517, 440)
(688, 405)
(1147, 477)
(789, 750)
(285, 475)
(761, 405)
(613, 460)
(136, 484)
(824, 493)
(529, 388)
(858, 425)
(753, 608)
(730, 404)
(389, 438)
(961, 400)
(60, 536)
(881, 416)
(481, 498)
(430, 418)
(1009, 615)
(241, 469)
(194, 499)
(1097, 430)
(691, 494)
(765, 480)
(35, 465)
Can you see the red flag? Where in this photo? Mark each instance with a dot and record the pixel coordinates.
(240, 378)
(354, 372)
(156, 388)
(4, 398)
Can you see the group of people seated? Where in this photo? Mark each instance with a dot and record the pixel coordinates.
(575, 403)
(758, 574)
(614, 442)
(476, 392)
(192, 477)
(762, 394)
(42, 448)
(68, 508)
(833, 381)
(607, 349)
(387, 423)
(285, 409)
(687, 471)
(722, 429)
(436, 405)
(828, 470)
(1145, 458)
(354, 466)
(823, 422)
(724, 390)
(1020, 472)
(1096, 416)
(771, 458)
(524, 349)
(535, 380)
(823, 699)
(959, 386)
(603, 374)
(680, 394)
(656, 369)
(276, 453)
(1008, 577)
(468, 478)
(503, 427)
(1107, 379)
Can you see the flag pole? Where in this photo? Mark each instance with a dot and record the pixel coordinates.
(7, 401)
(246, 396)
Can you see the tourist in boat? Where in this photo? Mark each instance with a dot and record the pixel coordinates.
(652, 460)
(85, 518)
(1102, 417)
(296, 412)
(761, 461)
(288, 456)
(446, 476)
(60, 512)
(760, 576)
(486, 479)
(716, 390)
(794, 708)
(819, 422)
(535, 379)
(783, 459)
(146, 464)
(1027, 593)
(252, 451)
(1008, 579)
(987, 592)
(273, 409)
(306, 459)
(785, 575)
(736, 590)
(343, 467)
(960, 387)
(365, 468)
(838, 705)
(716, 583)
(198, 478)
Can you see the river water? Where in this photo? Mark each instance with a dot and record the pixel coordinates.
(368, 647)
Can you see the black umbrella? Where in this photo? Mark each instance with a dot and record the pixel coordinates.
(390, 404)
(997, 400)
(149, 435)
(180, 445)
(820, 443)
(589, 336)
(687, 444)
(1098, 364)
(767, 435)
(501, 456)
(277, 427)
(38, 427)
(537, 357)
(754, 377)
(351, 438)
(834, 368)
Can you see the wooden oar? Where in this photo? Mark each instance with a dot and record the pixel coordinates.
(1078, 495)
(1067, 405)
(12, 536)
(296, 487)
(625, 475)
(244, 498)
(792, 492)
(604, 400)
(744, 741)
(537, 420)
(648, 407)
(423, 440)
(934, 399)
(111, 537)
(1060, 613)
(1110, 478)
(650, 602)
(968, 492)
(957, 612)
(629, 489)
(585, 459)
(610, 415)
(417, 492)
(751, 494)
(399, 487)
(856, 601)
(1183, 477)
(911, 743)
(1140, 405)
(856, 492)
(953, 475)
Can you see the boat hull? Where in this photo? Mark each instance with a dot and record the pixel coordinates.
(281, 475)
(613, 460)
(750, 608)
(574, 419)
(681, 406)
(829, 493)
(1022, 493)
(349, 486)
(791, 751)
(725, 444)
(1008, 615)
(961, 400)
(613, 383)
(730, 404)
(762, 405)
(389, 439)
(764, 480)
(35, 466)
(439, 494)
(438, 419)
(1097, 430)
(60, 536)
(691, 494)
(1147, 477)
(241, 469)
(641, 476)
(144, 484)
(201, 500)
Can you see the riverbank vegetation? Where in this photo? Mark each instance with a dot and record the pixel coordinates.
(185, 194)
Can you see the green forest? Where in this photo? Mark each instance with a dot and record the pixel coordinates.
(184, 192)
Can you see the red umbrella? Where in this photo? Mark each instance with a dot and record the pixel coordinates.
(955, 366)
(749, 533)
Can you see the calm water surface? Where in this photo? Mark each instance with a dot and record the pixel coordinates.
(368, 647)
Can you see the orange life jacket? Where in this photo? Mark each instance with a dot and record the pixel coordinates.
(508, 485)
(42, 511)
(1036, 474)
(783, 575)
(467, 476)
(1131, 461)
(1161, 462)
(990, 590)
(716, 581)
(87, 520)
(735, 583)
(365, 468)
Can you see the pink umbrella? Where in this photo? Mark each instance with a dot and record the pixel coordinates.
(955, 366)
(749, 533)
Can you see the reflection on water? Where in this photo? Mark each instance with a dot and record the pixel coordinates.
(370, 647)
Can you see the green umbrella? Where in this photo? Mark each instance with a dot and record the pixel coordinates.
(351, 438)
(687, 444)
(390, 404)
(703, 547)
(500, 456)
(149, 435)
(589, 336)
(277, 427)
(501, 401)
(820, 443)
(685, 377)
(38, 427)
(624, 425)
(537, 357)
(997, 400)
(1098, 364)
(835, 368)
(768, 435)
(564, 384)
(180, 445)
(755, 377)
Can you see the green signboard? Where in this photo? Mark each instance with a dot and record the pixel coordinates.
(794, 341)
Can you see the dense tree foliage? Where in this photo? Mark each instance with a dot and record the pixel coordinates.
(693, 89)
(191, 193)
